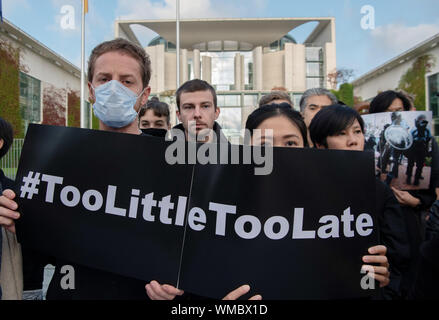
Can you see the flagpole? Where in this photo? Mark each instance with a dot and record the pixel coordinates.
(83, 124)
(178, 43)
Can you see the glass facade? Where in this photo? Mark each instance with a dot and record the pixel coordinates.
(314, 67)
(223, 69)
(30, 98)
(280, 44)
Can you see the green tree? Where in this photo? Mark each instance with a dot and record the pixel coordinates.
(346, 94)
(9, 87)
(413, 80)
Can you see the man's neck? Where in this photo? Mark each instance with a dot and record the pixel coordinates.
(132, 128)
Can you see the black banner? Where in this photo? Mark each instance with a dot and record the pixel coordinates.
(112, 202)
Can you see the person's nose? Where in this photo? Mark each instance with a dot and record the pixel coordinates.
(197, 112)
(352, 140)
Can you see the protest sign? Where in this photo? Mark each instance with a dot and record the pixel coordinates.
(112, 202)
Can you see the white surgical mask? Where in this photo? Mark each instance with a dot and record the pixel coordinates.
(114, 104)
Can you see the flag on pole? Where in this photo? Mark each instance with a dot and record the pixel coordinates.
(85, 6)
(1, 12)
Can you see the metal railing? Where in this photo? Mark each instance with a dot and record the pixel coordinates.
(9, 163)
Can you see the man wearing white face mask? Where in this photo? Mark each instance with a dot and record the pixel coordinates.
(118, 75)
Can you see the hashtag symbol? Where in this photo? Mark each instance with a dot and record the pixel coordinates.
(30, 185)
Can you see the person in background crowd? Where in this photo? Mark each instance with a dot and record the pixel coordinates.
(342, 128)
(414, 203)
(11, 273)
(154, 118)
(312, 101)
(280, 126)
(197, 111)
(276, 97)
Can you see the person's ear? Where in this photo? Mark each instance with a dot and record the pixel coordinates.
(2, 142)
(145, 96)
(217, 112)
(91, 93)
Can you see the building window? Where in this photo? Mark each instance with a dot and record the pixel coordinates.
(230, 119)
(30, 98)
(433, 90)
(314, 67)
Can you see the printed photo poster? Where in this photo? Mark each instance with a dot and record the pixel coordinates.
(402, 142)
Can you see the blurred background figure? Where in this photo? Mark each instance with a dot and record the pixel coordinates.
(276, 97)
(11, 274)
(154, 118)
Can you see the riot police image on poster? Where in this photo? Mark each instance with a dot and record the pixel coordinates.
(402, 142)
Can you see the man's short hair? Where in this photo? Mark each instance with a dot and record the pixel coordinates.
(7, 134)
(160, 109)
(194, 86)
(126, 47)
(316, 92)
(275, 95)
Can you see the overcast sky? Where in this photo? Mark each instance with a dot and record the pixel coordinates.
(399, 24)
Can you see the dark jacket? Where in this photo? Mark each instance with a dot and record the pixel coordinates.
(393, 234)
(221, 138)
(415, 219)
(427, 277)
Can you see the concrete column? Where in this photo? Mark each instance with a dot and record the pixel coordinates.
(238, 72)
(197, 64)
(257, 68)
(157, 56)
(288, 65)
(206, 63)
(183, 66)
(296, 66)
(242, 72)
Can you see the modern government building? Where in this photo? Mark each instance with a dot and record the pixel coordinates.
(242, 58)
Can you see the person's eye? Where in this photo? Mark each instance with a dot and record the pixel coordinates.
(358, 131)
(205, 106)
(291, 143)
(342, 133)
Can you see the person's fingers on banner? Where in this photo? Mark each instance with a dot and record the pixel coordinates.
(242, 290)
(381, 274)
(378, 256)
(7, 210)
(156, 291)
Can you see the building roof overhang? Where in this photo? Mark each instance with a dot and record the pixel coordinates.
(258, 32)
